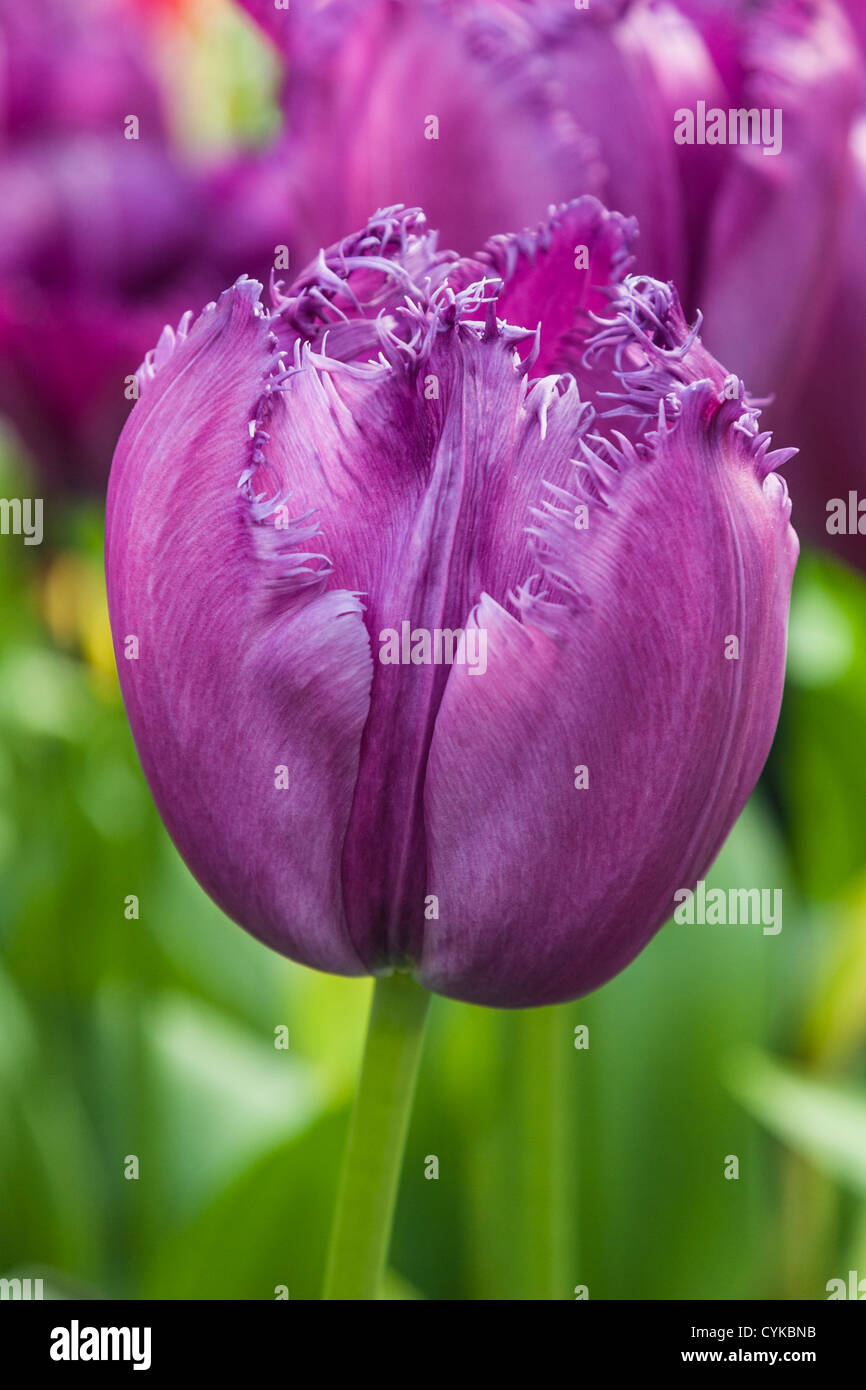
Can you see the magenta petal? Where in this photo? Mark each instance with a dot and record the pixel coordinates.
(553, 279)
(687, 68)
(245, 664)
(828, 415)
(777, 222)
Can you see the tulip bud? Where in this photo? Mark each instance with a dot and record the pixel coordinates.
(379, 592)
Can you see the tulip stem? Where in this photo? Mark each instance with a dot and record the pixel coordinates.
(377, 1138)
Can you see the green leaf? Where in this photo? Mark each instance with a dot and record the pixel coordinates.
(818, 756)
(268, 1228)
(820, 1121)
(226, 1095)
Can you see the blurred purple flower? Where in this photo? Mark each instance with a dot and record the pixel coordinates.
(73, 68)
(537, 101)
(102, 238)
(388, 445)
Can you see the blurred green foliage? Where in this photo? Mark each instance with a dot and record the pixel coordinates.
(155, 1037)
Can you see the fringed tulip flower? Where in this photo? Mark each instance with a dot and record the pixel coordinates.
(485, 112)
(430, 667)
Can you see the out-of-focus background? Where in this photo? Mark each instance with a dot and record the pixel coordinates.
(137, 1023)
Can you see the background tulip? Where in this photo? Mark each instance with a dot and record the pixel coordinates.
(106, 231)
(534, 102)
(388, 444)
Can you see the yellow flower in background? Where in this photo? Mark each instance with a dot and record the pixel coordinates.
(73, 607)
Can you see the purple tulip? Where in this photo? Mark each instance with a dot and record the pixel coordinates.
(307, 504)
(537, 101)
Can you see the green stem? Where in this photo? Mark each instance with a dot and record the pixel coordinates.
(377, 1137)
(545, 1213)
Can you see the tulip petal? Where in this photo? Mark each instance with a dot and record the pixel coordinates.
(351, 296)
(411, 453)
(604, 67)
(546, 888)
(828, 417)
(422, 496)
(689, 63)
(554, 278)
(786, 208)
(425, 103)
(354, 297)
(249, 672)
